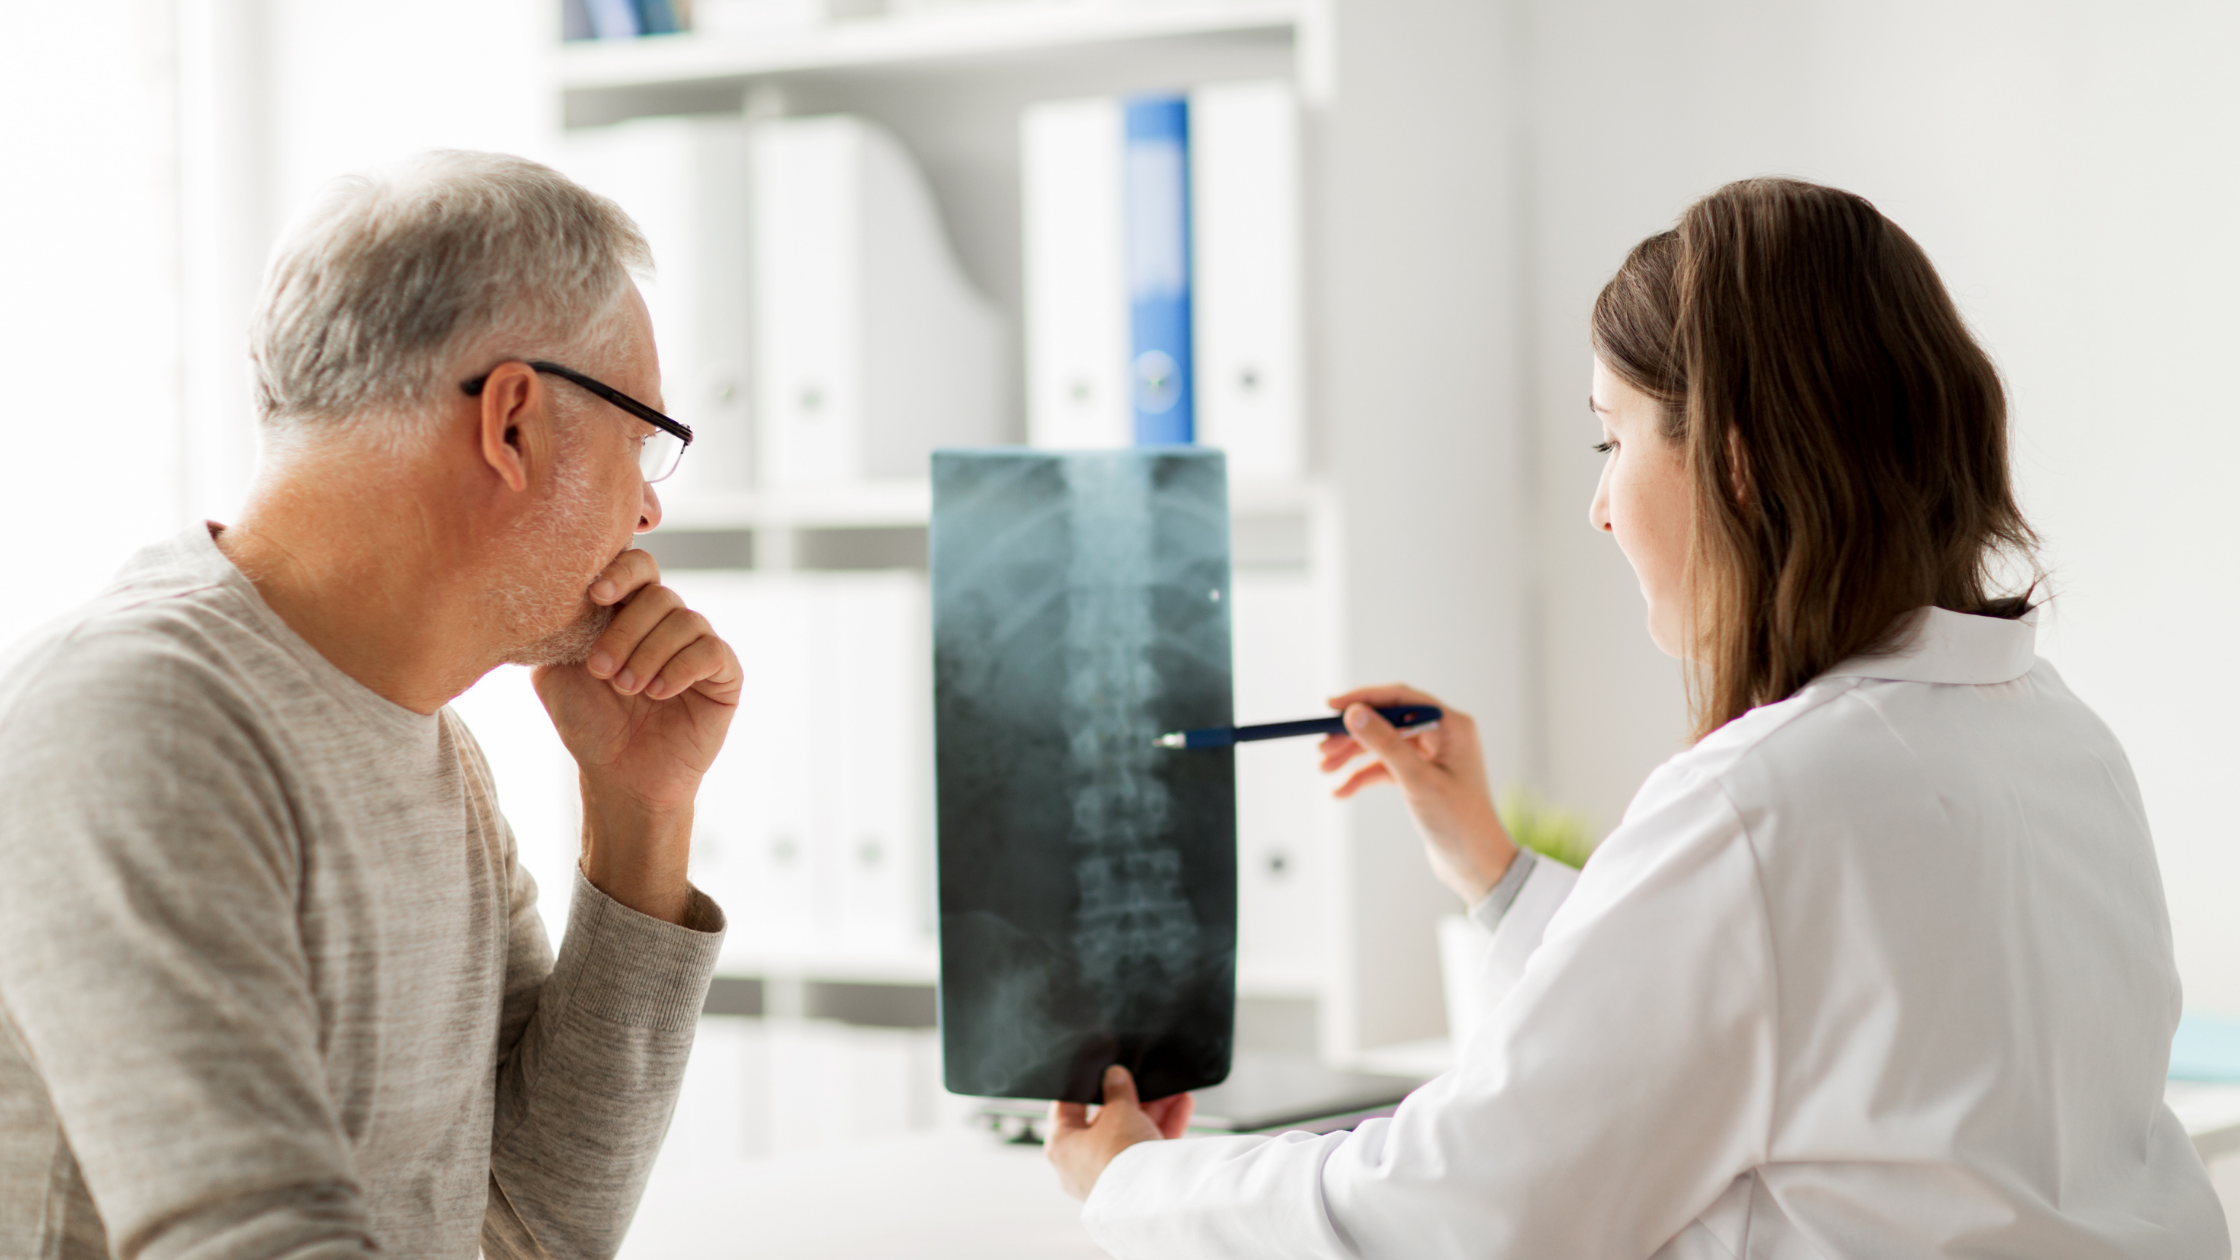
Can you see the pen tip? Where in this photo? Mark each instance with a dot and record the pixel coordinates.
(1172, 739)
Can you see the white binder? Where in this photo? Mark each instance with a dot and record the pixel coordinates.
(685, 182)
(812, 827)
(1075, 274)
(874, 687)
(755, 822)
(1246, 244)
(1244, 170)
(1285, 818)
(872, 346)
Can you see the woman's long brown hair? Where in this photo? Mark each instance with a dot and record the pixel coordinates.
(1845, 437)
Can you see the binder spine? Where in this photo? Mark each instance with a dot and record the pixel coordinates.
(1157, 182)
(612, 19)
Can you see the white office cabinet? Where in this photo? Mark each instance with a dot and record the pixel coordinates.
(889, 1079)
(1245, 220)
(722, 1103)
(1286, 821)
(684, 180)
(1076, 294)
(972, 91)
(820, 1084)
(872, 346)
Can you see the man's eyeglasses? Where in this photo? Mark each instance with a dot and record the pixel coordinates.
(658, 454)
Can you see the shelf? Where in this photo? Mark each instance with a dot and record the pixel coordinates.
(958, 38)
(888, 504)
(869, 505)
(923, 967)
(915, 967)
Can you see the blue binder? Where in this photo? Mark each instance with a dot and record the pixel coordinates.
(612, 19)
(1157, 182)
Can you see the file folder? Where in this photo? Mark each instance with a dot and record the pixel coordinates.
(1162, 274)
(685, 182)
(1247, 305)
(872, 346)
(1075, 275)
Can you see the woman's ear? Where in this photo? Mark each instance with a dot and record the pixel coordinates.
(1738, 467)
(512, 421)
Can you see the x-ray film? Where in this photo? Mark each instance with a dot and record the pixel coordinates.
(1088, 880)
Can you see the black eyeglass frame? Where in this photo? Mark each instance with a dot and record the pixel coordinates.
(674, 428)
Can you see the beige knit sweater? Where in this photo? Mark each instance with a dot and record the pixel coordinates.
(272, 981)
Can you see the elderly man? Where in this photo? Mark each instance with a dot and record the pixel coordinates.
(271, 975)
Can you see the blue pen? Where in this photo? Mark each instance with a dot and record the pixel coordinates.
(1408, 717)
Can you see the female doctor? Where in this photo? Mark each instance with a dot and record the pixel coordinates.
(1879, 966)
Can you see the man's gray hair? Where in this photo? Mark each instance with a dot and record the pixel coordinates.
(394, 277)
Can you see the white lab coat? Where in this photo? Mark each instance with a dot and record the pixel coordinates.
(1882, 970)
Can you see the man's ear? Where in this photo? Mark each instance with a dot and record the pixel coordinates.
(512, 416)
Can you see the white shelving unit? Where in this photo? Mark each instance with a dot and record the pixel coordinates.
(895, 504)
(952, 82)
(965, 39)
(1378, 600)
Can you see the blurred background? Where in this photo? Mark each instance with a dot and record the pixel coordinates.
(1402, 212)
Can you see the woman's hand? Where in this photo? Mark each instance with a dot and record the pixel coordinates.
(1079, 1147)
(1441, 773)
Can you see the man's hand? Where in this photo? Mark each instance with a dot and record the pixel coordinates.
(1442, 774)
(1080, 1147)
(644, 718)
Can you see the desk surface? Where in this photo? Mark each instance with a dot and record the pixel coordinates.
(952, 1195)
(960, 1194)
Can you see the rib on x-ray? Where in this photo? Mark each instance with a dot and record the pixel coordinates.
(1088, 881)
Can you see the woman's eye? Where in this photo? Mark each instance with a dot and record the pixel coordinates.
(1604, 448)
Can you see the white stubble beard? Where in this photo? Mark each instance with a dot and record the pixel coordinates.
(553, 621)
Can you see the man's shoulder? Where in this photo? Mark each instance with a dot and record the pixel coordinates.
(163, 637)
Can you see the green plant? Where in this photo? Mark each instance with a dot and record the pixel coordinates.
(1550, 831)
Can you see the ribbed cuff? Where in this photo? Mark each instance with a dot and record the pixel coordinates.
(632, 968)
(1494, 906)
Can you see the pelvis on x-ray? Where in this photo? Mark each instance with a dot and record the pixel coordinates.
(1088, 884)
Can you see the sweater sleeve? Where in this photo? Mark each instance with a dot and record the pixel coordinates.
(595, 1045)
(1618, 1088)
(151, 968)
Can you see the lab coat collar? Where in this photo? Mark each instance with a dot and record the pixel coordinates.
(1943, 646)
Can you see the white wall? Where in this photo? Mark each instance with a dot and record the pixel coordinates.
(2074, 170)
(280, 96)
(88, 301)
(1416, 330)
